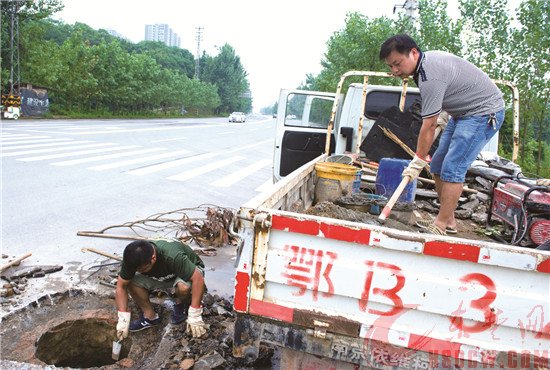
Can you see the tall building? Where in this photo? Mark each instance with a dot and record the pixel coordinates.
(115, 33)
(162, 33)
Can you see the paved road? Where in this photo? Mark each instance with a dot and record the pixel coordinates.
(64, 176)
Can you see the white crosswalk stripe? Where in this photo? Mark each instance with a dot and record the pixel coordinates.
(163, 166)
(4, 139)
(173, 139)
(33, 145)
(9, 135)
(49, 125)
(59, 146)
(137, 160)
(77, 153)
(34, 141)
(102, 157)
(235, 177)
(204, 169)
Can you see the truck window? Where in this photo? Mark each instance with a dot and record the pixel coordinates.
(308, 111)
(379, 101)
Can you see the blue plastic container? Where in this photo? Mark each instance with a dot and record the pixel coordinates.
(389, 177)
(356, 188)
(375, 208)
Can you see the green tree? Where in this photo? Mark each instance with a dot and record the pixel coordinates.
(172, 57)
(28, 11)
(227, 73)
(437, 31)
(486, 35)
(77, 84)
(530, 61)
(355, 47)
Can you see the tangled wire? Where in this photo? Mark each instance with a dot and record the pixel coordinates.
(207, 225)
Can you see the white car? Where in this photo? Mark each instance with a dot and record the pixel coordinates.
(237, 117)
(11, 112)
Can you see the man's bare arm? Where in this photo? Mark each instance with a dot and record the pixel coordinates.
(121, 294)
(197, 288)
(426, 136)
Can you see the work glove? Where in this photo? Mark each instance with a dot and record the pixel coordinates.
(415, 167)
(442, 120)
(122, 325)
(195, 325)
(543, 182)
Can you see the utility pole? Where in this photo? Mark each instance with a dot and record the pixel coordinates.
(11, 102)
(411, 7)
(15, 71)
(198, 37)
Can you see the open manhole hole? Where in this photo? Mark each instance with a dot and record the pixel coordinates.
(80, 344)
(72, 329)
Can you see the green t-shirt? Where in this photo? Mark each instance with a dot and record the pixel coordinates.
(174, 259)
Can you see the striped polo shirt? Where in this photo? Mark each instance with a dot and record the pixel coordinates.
(453, 84)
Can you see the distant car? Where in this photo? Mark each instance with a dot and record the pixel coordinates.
(237, 117)
(291, 116)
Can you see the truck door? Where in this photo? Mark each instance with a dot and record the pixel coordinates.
(302, 120)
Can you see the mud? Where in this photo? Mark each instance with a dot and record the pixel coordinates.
(403, 217)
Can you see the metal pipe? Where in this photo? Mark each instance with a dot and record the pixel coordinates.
(515, 109)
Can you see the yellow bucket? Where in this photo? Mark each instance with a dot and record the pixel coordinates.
(334, 180)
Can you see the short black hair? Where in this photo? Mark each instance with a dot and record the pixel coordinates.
(401, 43)
(138, 253)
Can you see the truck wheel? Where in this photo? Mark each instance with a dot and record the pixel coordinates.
(15, 116)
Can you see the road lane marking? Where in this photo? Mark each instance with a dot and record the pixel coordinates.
(77, 153)
(102, 157)
(33, 141)
(204, 169)
(20, 138)
(171, 164)
(9, 135)
(59, 146)
(137, 160)
(174, 139)
(241, 174)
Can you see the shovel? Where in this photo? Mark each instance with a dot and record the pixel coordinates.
(117, 345)
(397, 193)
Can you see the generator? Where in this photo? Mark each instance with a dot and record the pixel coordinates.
(523, 208)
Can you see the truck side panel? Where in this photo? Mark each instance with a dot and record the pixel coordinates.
(464, 298)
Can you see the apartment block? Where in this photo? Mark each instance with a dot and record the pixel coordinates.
(162, 33)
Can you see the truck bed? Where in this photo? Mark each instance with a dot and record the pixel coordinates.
(377, 296)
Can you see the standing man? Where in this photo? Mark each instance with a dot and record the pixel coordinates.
(447, 83)
(160, 264)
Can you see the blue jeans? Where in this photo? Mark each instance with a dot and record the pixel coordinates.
(460, 143)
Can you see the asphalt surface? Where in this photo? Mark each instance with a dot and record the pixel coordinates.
(64, 176)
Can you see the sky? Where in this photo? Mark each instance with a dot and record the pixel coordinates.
(278, 41)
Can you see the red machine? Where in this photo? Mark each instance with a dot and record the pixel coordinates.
(523, 208)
